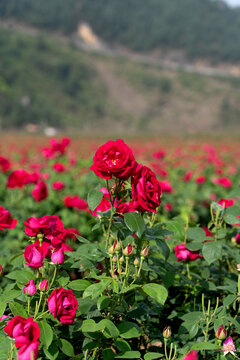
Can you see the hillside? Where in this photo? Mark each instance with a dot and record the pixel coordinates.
(46, 80)
(206, 29)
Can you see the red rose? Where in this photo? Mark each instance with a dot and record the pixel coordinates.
(24, 331)
(166, 186)
(75, 202)
(59, 167)
(28, 352)
(6, 221)
(34, 254)
(183, 254)
(58, 185)
(4, 164)
(40, 191)
(63, 305)
(193, 355)
(225, 203)
(17, 178)
(116, 159)
(146, 190)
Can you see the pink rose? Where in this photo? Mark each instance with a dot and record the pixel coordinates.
(183, 254)
(63, 305)
(58, 185)
(24, 331)
(30, 288)
(59, 167)
(57, 257)
(193, 355)
(28, 352)
(114, 159)
(43, 286)
(34, 254)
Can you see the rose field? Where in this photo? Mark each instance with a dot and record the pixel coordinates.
(119, 248)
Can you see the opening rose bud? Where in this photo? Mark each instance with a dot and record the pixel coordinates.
(30, 288)
(136, 262)
(111, 250)
(221, 333)
(144, 252)
(117, 246)
(167, 332)
(43, 286)
(128, 250)
(57, 257)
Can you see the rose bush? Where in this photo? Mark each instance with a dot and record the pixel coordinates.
(155, 271)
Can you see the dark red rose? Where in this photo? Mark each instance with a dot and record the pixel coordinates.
(114, 159)
(6, 221)
(40, 191)
(146, 190)
(63, 305)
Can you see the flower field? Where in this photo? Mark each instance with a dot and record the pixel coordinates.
(119, 249)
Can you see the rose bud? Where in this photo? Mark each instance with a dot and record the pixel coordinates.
(121, 260)
(30, 288)
(57, 257)
(144, 252)
(43, 286)
(117, 246)
(114, 259)
(221, 333)
(136, 262)
(111, 250)
(167, 332)
(128, 250)
(1, 270)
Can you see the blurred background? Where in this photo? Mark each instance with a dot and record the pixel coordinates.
(101, 67)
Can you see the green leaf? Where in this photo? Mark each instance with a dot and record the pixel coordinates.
(212, 251)
(135, 223)
(164, 247)
(21, 276)
(196, 234)
(152, 356)
(204, 346)
(122, 345)
(231, 219)
(79, 285)
(46, 335)
(110, 330)
(3, 306)
(63, 279)
(103, 302)
(66, 347)
(8, 295)
(229, 300)
(233, 210)
(156, 291)
(94, 198)
(177, 229)
(18, 309)
(129, 355)
(52, 352)
(194, 246)
(108, 354)
(90, 325)
(129, 330)
(95, 290)
(129, 288)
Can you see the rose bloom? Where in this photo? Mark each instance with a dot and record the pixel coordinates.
(24, 331)
(114, 159)
(58, 185)
(193, 355)
(225, 203)
(225, 182)
(166, 186)
(18, 178)
(6, 221)
(63, 305)
(188, 176)
(30, 288)
(28, 352)
(59, 167)
(183, 254)
(40, 191)
(146, 191)
(34, 254)
(75, 202)
(5, 164)
(200, 179)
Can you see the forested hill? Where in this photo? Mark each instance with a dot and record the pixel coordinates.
(201, 28)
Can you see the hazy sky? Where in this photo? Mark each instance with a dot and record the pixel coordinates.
(233, 2)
